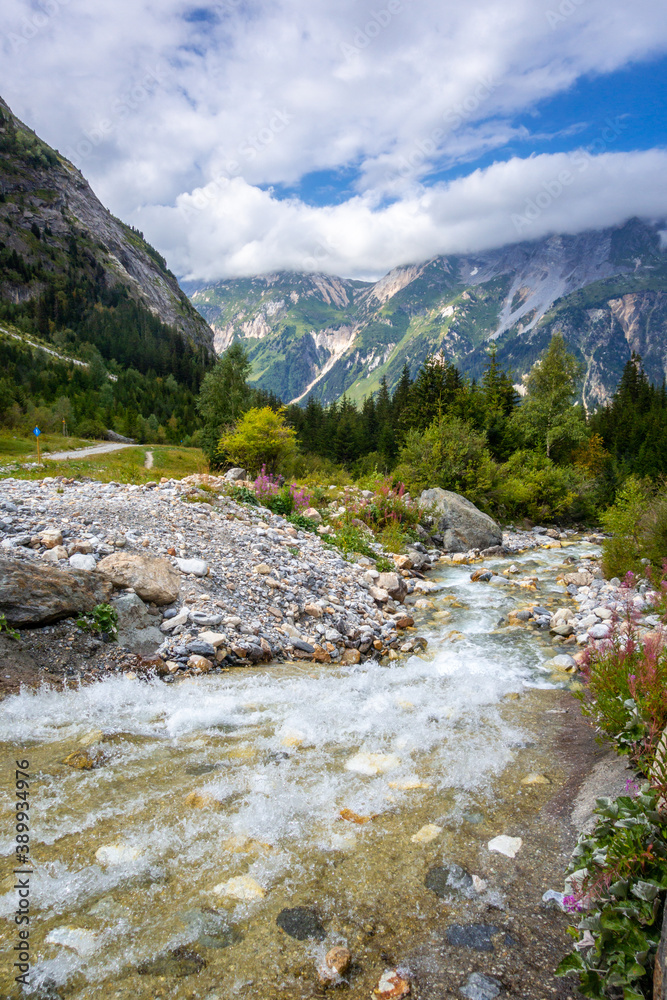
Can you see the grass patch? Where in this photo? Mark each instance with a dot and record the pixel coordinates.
(125, 466)
(16, 447)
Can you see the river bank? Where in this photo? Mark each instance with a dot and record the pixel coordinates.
(349, 791)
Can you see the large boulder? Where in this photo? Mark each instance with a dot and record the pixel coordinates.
(457, 524)
(39, 592)
(153, 578)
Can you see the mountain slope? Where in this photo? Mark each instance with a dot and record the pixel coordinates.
(604, 289)
(52, 223)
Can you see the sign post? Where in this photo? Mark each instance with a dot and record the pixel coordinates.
(37, 432)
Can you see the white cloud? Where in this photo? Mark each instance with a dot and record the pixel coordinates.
(154, 104)
(233, 228)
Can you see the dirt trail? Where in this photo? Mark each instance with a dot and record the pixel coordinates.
(148, 464)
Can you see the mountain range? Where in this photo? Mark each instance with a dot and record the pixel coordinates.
(316, 334)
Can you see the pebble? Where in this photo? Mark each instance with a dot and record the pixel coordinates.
(392, 986)
(426, 834)
(479, 987)
(509, 846)
(243, 887)
(117, 854)
(373, 763)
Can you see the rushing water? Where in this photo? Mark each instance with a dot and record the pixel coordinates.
(309, 782)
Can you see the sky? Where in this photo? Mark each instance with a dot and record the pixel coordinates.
(249, 136)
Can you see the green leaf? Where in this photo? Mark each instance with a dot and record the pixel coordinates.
(571, 963)
(645, 890)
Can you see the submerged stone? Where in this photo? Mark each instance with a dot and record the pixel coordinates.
(212, 928)
(441, 879)
(179, 963)
(479, 987)
(301, 923)
(477, 936)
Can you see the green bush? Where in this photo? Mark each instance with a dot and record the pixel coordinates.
(637, 522)
(446, 454)
(531, 485)
(103, 619)
(618, 872)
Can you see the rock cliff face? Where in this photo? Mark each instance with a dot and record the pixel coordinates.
(47, 208)
(606, 290)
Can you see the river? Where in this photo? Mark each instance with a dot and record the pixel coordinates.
(221, 802)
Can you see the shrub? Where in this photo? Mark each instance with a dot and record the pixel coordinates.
(638, 525)
(103, 619)
(260, 438)
(617, 873)
(445, 454)
(625, 688)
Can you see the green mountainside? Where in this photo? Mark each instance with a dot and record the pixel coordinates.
(313, 334)
(84, 285)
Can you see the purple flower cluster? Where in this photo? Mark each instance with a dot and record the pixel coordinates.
(266, 485)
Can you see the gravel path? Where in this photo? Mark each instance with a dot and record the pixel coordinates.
(98, 449)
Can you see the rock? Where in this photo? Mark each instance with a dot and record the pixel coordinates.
(136, 630)
(195, 567)
(314, 610)
(201, 618)
(84, 562)
(599, 631)
(403, 562)
(351, 656)
(477, 936)
(561, 662)
(509, 846)
(85, 760)
(459, 524)
(372, 763)
(201, 648)
(50, 538)
(80, 545)
(392, 986)
(117, 854)
(243, 887)
(178, 963)
(58, 553)
(213, 639)
(563, 630)
(78, 939)
(313, 514)
(394, 585)
(479, 987)
(378, 594)
(500, 581)
(301, 923)
(535, 779)
(580, 579)
(35, 593)
(232, 475)
(337, 962)
(200, 663)
(263, 569)
(404, 621)
(152, 578)
(179, 619)
(441, 879)
(426, 834)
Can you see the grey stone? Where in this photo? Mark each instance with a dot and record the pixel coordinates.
(476, 936)
(81, 561)
(197, 567)
(301, 923)
(135, 631)
(459, 523)
(479, 987)
(232, 475)
(201, 618)
(599, 631)
(37, 593)
(441, 879)
(202, 648)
